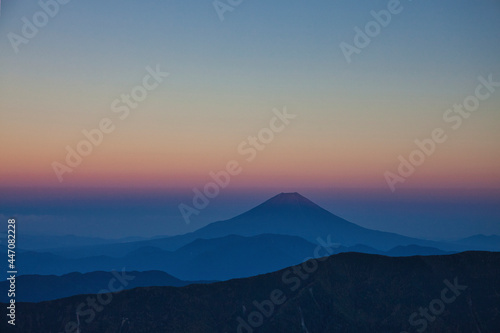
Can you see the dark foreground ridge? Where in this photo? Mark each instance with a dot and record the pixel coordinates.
(349, 292)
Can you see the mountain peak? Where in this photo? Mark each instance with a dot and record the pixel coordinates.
(291, 197)
(287, 203)
(290, 194)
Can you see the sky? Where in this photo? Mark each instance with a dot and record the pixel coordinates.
(227, 80)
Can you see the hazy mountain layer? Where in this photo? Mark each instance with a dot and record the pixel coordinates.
(209, 259)
(285, 214)
(37, 288)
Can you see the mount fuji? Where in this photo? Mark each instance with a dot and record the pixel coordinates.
(288, 214)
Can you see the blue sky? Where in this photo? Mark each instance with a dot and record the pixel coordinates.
(225, 78)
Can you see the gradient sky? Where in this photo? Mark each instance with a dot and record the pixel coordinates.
(353, 120)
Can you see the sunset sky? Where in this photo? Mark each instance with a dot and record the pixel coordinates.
(352, 121)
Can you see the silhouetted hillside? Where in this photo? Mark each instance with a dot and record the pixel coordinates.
(348, 292)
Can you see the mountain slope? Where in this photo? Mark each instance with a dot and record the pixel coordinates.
(349, 292)
(293, 214)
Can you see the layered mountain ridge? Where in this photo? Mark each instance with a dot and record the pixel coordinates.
(284, 214)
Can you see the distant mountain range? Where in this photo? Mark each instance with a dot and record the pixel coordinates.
(46, 242)
(37, 288)
(481, 242)
(285, 214)
(348, 292)
(208, 259)
(213, 259)
(283, 231)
